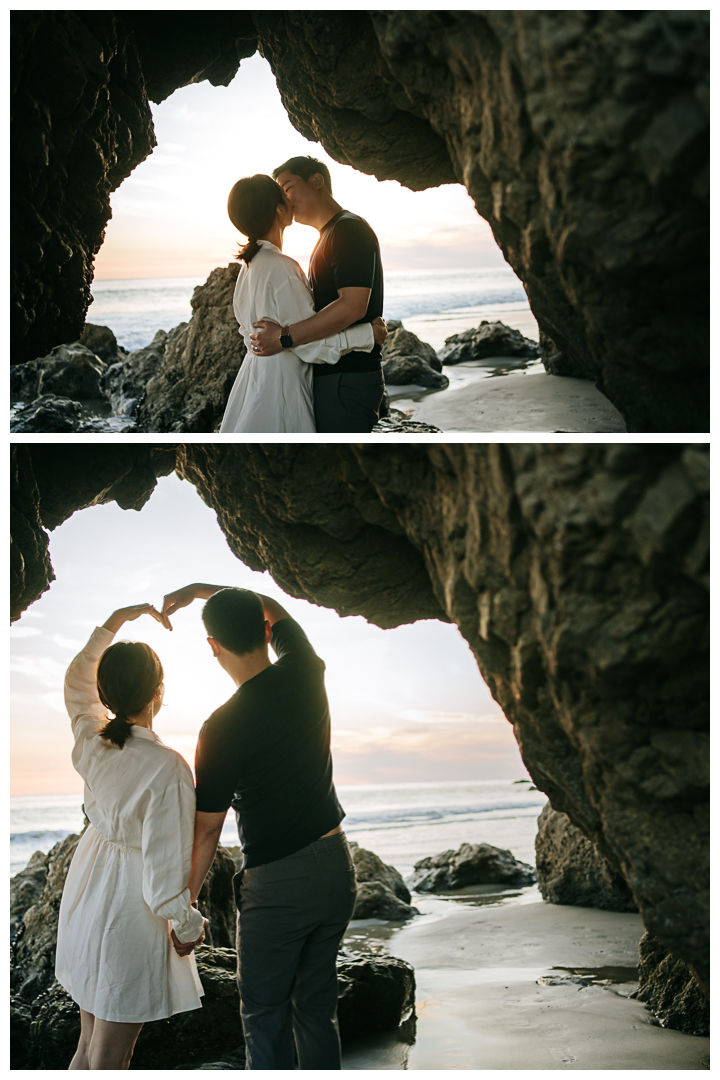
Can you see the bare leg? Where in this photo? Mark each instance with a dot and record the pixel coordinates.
(80, 1060)
(112, 1044)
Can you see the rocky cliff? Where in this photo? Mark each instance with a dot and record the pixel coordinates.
(576, 573)
(581, 136)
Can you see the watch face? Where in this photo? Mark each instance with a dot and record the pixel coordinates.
(286, 341)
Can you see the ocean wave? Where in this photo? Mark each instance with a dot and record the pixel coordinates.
(44, 839)
(407, 817)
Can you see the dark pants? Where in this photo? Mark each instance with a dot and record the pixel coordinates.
(348, 401)
(292, 915)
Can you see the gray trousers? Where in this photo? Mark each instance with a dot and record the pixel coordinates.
(348, 401)
(292, 915)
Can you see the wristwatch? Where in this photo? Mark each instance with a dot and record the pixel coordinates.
(285, 340)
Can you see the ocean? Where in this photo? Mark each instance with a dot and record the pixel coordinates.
(401, 823)
(136, 309)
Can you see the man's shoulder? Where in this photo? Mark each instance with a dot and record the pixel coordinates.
(222, 718)
(352, 225)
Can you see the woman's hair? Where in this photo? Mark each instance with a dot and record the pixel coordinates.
(236, 620)
(128, 676)
(252, 206)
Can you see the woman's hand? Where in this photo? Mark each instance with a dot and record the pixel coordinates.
(184, 948)
(129, 614)
(380, 330)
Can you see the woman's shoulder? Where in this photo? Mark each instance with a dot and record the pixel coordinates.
(168, 762)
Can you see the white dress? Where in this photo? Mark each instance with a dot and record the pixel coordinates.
(274, 393)
(127, 882)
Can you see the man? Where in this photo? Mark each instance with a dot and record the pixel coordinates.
(346, 278)
(266, 752)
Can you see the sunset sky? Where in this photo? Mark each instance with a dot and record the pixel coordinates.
(407, 704)
(170, 217)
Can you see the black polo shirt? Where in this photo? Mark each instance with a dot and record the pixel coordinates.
(347, 255)
(266, 753)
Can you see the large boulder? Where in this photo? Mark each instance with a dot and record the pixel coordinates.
(376, 993)
(571, 870)
(191, 387)
(557, 362)
(471, 864)
(489, 339)
(101, 341)
(70, 371)
(26, 888)
(125, 382)
(376, 901)
(54, 414)
(407, 359)
(370, 867)
(668, 988)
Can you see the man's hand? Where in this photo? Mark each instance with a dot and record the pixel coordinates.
(266, 339)
(380, 330)
(182, 597)
(129, 614)
(184, 948)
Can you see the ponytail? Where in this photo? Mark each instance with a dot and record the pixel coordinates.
(247, 253)
(117, 731)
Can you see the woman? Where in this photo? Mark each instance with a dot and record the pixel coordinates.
(274, 393)
(127, 882)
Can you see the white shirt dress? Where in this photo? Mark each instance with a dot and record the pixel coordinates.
(275, 393)
(127, 882)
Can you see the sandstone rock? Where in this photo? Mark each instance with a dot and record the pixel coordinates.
(202, 358)
(557, 362)
(101, 341)
(53, 414)
(577, 573)
(489, 339)
(370, 867)
(407, 359)
(376, 901)
(26, 888)
(376, 993)
(471, 864)
(668, 988)
(125, 382)
(571, 870)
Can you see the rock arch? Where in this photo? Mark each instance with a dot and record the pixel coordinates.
(581, 136)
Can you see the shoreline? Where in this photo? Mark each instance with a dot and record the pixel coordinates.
(520, 985)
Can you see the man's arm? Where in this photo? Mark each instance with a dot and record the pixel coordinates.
(207, 836)
(198, 591)
(349, 308)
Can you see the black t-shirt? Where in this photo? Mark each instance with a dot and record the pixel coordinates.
(266, 752)
(347, 255)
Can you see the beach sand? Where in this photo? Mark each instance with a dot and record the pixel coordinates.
(497, 394)
(528, 985)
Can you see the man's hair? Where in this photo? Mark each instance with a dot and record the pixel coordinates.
(236, 620)
(305, 167)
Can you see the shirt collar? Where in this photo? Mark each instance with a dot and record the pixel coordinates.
(267, 243)
(144, 733)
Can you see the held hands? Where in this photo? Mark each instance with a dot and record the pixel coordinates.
(179, 599)
(129, 614)
(184, 948)
(266, 339)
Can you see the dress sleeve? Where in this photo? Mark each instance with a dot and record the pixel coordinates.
(167, 844)
(81, 696)
(294, 304)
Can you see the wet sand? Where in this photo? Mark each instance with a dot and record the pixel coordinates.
(500, 394)
(527, 985)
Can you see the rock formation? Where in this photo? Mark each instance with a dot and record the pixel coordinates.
(382, 893)
(670, 991)
(126, 379)
(489, 339)
(471, 864)
(407, 359)
(577, 573)
(582, 137)
(571, 870)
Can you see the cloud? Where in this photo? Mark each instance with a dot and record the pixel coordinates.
(434, 738)
(23, 631)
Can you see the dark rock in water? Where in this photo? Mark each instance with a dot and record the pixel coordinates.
(376, 994)
(556, 362)
(26, 888)
(190, 389)
(101, 341)
(376, 901)
(407, 359)
(489, 339)
(667, 986)
(471, 864)
(217, 903)
(54, 414)
(370, 867)
(70, 371)
(399, 423)
(571, 870)
(124, 383)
